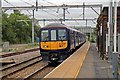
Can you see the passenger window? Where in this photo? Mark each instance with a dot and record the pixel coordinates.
(53, 34)
(44, 35)
(62, 34)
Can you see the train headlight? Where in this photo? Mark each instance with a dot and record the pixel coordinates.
(45, 46)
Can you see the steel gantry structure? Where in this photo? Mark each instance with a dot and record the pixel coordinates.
(45, 7)
(64, 7)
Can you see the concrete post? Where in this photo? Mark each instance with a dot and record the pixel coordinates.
(44, 22)
(115, 53)
(63, 14)
(33, 28)
(111, 30)
(106, 43)
(119, 43)
(109, 54)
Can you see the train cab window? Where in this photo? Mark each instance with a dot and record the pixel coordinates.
(62, 34)
(53, 34)
(44, 35)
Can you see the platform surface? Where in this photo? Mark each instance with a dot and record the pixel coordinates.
(94, 66)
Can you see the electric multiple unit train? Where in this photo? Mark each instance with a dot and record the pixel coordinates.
(57, 41)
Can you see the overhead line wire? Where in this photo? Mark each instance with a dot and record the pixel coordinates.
(27, 3)
(9, 3)
(42, 9)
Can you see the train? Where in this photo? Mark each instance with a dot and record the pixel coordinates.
(57, 41)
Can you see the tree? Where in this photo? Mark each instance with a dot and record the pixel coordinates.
(0, 27)
(16, 31)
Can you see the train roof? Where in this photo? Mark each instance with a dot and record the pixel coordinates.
(53, 25)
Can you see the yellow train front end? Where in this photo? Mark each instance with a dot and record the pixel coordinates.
(53, 51)
(53, 44)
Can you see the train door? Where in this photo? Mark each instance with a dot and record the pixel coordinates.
(74, 34)
(72, 39)
(53, 38)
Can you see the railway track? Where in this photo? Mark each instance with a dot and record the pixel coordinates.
(17, 67)
(31, 71)
(17, 53)
(26, 69)
(12, 65)
(41, 73)
(33, 68)
(25, 72)
(37, 71)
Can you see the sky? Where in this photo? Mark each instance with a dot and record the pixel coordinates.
(53, 14)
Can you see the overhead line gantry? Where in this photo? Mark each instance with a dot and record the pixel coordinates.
(46, 7)
(64, 7)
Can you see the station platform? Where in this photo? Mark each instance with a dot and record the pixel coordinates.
(84, 63)
(94, 66)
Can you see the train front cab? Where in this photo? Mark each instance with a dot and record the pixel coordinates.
(54, 44)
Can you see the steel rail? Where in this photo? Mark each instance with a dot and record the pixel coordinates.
(40, 69)
(5, 75)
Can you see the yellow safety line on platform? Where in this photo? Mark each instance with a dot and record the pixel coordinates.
(82, 61)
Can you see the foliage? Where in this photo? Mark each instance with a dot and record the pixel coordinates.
(16, 31)
(92, 37)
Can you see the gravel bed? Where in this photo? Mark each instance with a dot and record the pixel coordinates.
(15, 68)
(27, 71)
(21, 58)
(43, 73)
